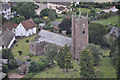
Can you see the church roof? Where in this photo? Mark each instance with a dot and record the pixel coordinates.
(54, 38)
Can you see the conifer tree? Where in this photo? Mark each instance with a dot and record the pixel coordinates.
(64, 58)
(86, 64)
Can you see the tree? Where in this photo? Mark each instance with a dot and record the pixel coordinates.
(41, 65)
(51, 52)
(7, 54)
(26, 9)
(95, 50)
(64, 58)
(33, 67)
(5, 68)
(17, 19)
(86, 64)
(12, 64)
(96, 34)
(66, 25)
(50, 13)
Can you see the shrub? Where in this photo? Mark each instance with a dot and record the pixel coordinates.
(27, 41)
(20, 52)
(29, 59)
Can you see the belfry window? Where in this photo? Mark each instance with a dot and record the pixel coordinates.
(83, 32)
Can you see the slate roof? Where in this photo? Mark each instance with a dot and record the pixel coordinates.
(9, 26)
(5, 6)
(56, 23)
(60, 8)
(54, 38)
(6, 37)
(28, 24)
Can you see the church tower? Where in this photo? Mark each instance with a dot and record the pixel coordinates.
(79, 34)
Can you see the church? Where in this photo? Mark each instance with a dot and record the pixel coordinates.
(77, 42)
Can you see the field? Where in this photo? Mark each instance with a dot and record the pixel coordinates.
(24, 46)
(104, 70)
(112, 20)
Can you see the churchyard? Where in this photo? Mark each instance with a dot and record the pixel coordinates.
(74, 42)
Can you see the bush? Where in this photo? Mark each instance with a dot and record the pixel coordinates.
(27, 41)
(29, 59)
(20, 52)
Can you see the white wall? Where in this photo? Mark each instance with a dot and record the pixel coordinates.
(10, 44)
(20, 30)
(31, 31)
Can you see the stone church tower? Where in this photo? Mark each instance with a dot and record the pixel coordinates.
(79, 34)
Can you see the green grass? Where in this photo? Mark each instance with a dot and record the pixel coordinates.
(112, 20)
(25, 48)
(56, 72)
(104, 70)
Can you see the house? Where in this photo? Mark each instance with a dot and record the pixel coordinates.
(55, 24)
(9, 26)
(6, 10)
(26, 28)
(37, 46)
(109, 9)
(59, 6)
(8, 38)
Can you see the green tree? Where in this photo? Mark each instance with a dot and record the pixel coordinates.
(7, 54)
(51, 52)
(50, 13)
(66, 25)
(95, 50)
(96, 34)
(26, 9)
(33, 67)
(64, 58)
(5, 68)
(41, 65)
(12, 64)
(86, 64)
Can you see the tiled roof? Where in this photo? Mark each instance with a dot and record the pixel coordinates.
(9, 26)
(54, 38)
(28, 24)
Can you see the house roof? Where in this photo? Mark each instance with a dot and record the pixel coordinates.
(9, 26)
(56, 23)
(60, 8)
(28, 24)
(5, 6)
(6, 37)
(62, 3)
(54, 38)
(109, 7)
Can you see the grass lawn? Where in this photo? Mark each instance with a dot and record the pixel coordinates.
(24, 47)
(112, 20)
(104, 70)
